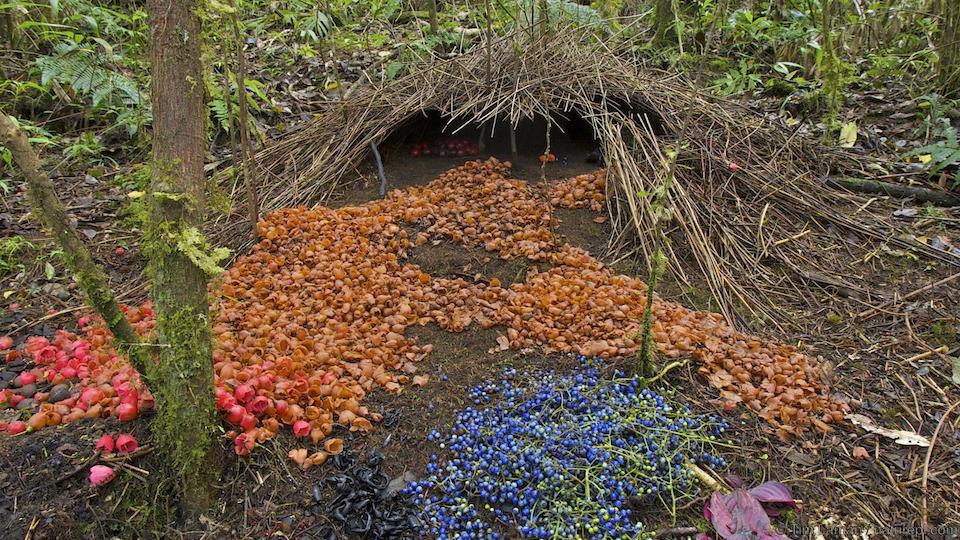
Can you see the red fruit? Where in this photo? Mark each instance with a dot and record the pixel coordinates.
(68, 373)
(118, 379)
(301, 428)
(101, 474)
(281, 406)
(259, 405)
(235, 414)
(126, 443)
(127, 411)
(120, 251)
(328, 377)
(244, 393)
(6, 342)
(105, 444)
(146, 402)
(123, 388)
(17, 426)
(27, 377)
(243, 444)
(226, 402)
(734, 167)
(91, 396)
(248, 422)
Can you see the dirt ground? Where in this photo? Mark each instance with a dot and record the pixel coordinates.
(45, 494)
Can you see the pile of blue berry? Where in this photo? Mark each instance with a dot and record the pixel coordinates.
(562, 456)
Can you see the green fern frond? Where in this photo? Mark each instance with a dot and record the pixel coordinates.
(89, 73)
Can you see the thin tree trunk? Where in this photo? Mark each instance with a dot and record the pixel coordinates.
(486, 63)
(434, 26)
(92, 280)
(663, 24)
(186, 419)
(228, 102)
(246, 150)
(949, 48)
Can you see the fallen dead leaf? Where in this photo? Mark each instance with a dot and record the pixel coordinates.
(860, 452)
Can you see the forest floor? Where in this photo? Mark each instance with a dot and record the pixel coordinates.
(846, 480)
(891, 353)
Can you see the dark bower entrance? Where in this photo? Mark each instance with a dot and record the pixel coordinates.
(572, 142)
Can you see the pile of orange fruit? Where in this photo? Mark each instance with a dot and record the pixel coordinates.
(585, 190)
(321, 305)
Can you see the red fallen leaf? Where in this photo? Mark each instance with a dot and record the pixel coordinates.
(773, 493)
(101, 474)
(860, 452)
(741, 514)
(126, 443)
(105, 444)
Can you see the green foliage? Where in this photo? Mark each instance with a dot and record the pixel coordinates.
(135, 182)
(944, 152)
(256, 98)
(10, 247)
(83, 55)
(88, 72)
(738, 80)
(564, 11)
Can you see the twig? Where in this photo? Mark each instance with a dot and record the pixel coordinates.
(926, 464)
(928, 354)
(676, 531)
(46, 318)
(866, 314)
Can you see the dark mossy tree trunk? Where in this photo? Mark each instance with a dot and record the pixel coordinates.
(180, 262)
(51, 213)
(664, 22)
(949, 48)
(434, 25)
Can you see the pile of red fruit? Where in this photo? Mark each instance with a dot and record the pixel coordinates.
(445, 147)
(71, 377)
(315, 316)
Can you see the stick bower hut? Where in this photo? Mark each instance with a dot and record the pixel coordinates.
(749, 203)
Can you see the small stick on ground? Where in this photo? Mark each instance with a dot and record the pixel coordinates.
(926, 465)
(866, 314)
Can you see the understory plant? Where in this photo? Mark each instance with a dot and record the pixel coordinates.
(744, 514)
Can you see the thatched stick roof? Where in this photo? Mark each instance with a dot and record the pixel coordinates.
(740, 232)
